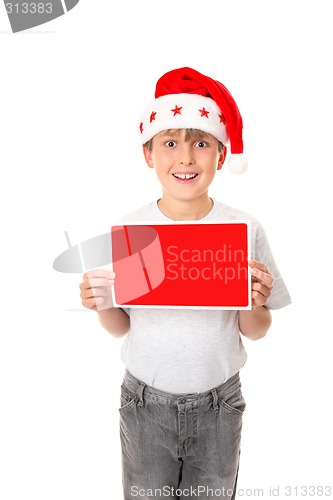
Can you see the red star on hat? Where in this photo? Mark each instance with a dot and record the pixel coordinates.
(204, 112)
(176, 110)
(222, 118)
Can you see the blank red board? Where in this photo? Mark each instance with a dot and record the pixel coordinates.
(182, 265)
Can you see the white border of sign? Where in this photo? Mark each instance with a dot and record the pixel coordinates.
(194, 222)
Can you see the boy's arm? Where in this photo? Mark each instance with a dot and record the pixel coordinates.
(96, 295)
(114, 321)
(255, 324)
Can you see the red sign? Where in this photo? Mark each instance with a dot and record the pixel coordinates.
(183, 264)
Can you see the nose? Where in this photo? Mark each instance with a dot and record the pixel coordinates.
(185, 154)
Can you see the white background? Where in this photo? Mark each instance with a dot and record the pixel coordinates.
(70, 95)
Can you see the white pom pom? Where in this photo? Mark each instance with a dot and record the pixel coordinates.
(238, 163)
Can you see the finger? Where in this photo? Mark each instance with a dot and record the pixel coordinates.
(258, 299)
(96, 282)
(262, 276)
(93, 303)
(100, 282)
(259, 287)
(259, 265)
(95, 292)
(99, 273)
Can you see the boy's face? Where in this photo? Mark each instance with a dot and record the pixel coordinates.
(185, 168)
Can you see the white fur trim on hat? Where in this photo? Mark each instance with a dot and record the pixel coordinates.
(178, 111)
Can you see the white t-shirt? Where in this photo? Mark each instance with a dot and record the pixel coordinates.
(193, 350)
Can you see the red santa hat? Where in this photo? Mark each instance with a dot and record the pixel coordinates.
(184, 98)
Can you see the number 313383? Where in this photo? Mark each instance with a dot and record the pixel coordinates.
(29, 8)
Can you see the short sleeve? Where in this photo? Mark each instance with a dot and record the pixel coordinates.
(280, 296)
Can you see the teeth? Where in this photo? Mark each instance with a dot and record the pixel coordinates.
(185, 176)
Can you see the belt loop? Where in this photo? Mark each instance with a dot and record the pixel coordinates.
(215, 399)
(139, 393)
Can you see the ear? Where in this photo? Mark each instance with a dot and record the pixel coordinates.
(148, 157)
(222, 157)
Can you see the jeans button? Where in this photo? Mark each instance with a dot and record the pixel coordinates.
(182, 401)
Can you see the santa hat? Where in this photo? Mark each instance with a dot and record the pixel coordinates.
(184, 98)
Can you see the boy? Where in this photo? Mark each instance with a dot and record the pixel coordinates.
(181, 400)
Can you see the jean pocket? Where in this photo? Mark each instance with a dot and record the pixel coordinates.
(233, 402)
(127, 398)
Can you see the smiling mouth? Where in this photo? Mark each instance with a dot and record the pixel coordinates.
(186, 177)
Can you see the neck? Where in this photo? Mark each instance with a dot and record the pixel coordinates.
(185, 209)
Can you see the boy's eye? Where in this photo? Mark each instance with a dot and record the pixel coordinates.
(201, 144)
(170, 144)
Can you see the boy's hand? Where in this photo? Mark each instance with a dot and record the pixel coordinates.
(262, 283)
(96, 289)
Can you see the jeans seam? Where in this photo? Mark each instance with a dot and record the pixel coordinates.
(139, 394)
(215, 400)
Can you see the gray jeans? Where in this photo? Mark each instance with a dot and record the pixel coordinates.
(180, 445)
